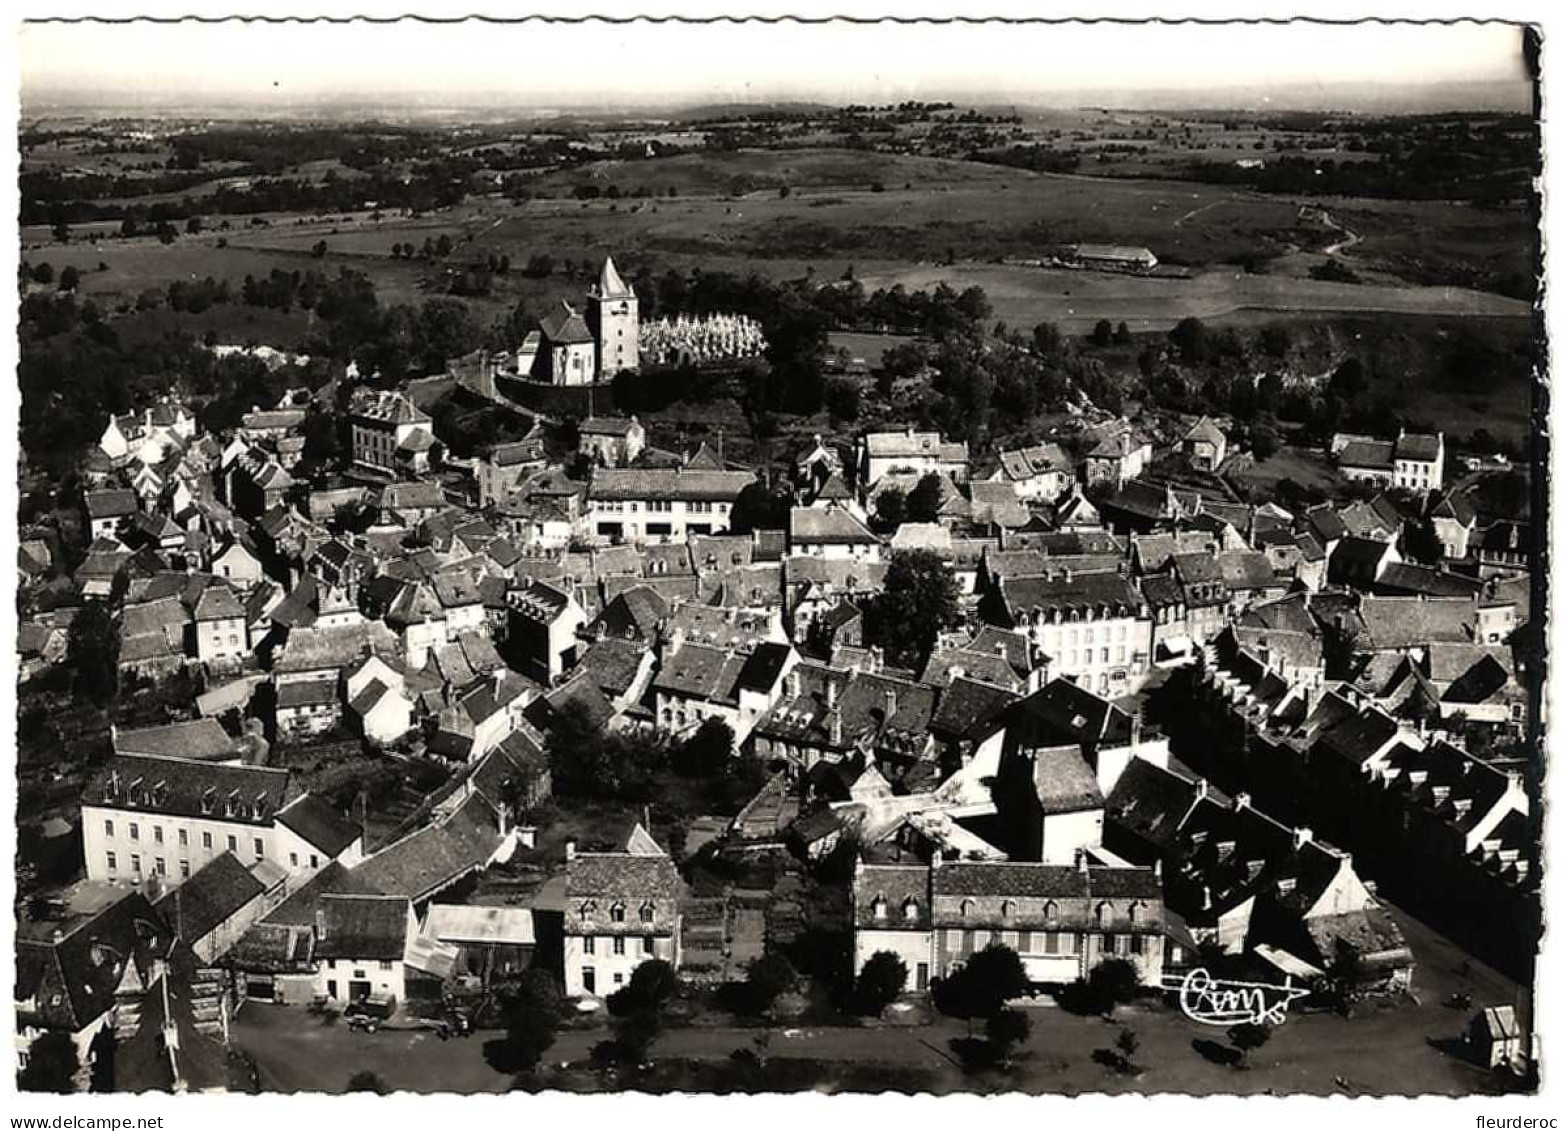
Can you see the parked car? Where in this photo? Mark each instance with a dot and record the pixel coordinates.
(370, 1013)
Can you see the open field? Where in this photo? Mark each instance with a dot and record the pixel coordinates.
(1075, 300)
(729, 202)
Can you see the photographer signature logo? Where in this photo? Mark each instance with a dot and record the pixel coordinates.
(1216, 1001)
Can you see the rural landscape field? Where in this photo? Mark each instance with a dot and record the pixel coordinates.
(935, 577)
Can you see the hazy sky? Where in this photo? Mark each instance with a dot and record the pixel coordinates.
(541, 65)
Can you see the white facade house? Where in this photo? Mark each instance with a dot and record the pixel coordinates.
(661, 504)
(622, 909)
(158, 820)
(908, 450)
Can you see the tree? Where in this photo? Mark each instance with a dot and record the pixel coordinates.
(92, 649)
(1123, 334)
(193, 225)
(1126, 1043)
(322, 445)
(1190, 336)
(318, 249)
(1048, 342)
(1247, 1037)
(924, 502)
(892, 507)
(70, 278)
(708, 751)
(881, 980)
(766, 978)
(842, 398)
(367, 1081)
(1348, 380)
(639, 1009)
(61, 231)
(651, 986)
(532, 1009)
(759, 507)
(51, 1065)
(1264, 441)
(1275, 339)
(587, 762)
(997, 976)
(1113, 982)
(43, 273)
(1103, 333)
(982, 985)
(1006, 1029)
(919, 600)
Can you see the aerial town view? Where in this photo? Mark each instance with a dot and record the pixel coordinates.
(966, 580)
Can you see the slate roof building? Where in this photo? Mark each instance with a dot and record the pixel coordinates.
(159, 819)
(622, 908)
(1062, 920)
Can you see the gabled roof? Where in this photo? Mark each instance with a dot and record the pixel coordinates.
(1369, 454)
(968, 706)
(1064, 782)
(1150, 802)
(829, 526)
(212, 896)
(196, 740)
(69, 983)
(364, 927)
(318, 824)
(565, 327)
(1418, 446)
(436, 855)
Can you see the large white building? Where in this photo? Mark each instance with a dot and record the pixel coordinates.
(151, 819)
(1062, 920)
(636, 504)
(908, 450)
(1095, 627)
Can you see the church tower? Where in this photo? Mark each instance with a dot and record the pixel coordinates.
(612, 316)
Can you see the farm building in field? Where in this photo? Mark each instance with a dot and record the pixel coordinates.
(1111, 257)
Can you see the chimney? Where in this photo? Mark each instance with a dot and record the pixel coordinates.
(57, 937)
(890, 703)
(832, 694)
(1302, 837)
(1202, 787)
(320, 924)
(1242, 801)
(1082, 861)
(571, 851)
(835, 728)
(1158, 868)
(1137, 727)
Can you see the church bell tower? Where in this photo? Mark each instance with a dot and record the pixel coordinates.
(612, 315)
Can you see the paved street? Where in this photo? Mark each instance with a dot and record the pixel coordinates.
(1310, 1053)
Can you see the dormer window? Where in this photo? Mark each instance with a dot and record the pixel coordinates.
(646, 913)
(617, 913)
(209, 799)
(966, 908)
(911, 911)
(1008, 908)
(1051, 911)
(1101, 914)
(586, 910)
(1134, 913)
(879, 908)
